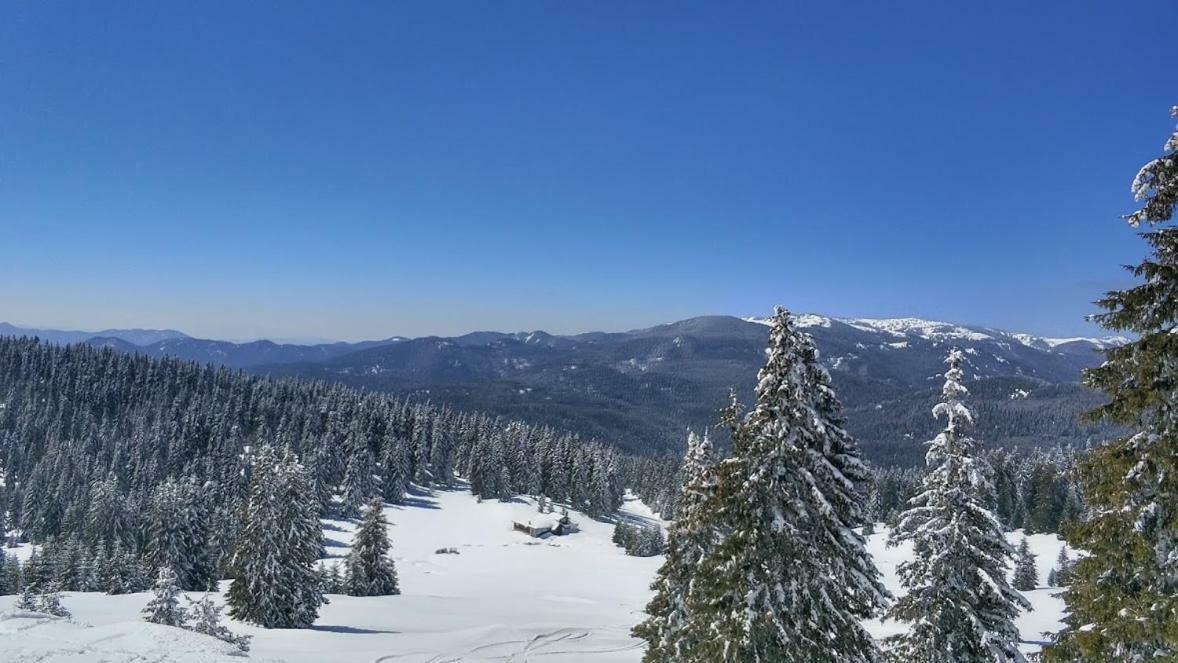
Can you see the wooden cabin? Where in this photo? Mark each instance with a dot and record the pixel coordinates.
(543, 525)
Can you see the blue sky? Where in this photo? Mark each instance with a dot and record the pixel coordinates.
(354, 171)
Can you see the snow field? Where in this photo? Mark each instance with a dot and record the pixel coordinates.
(504, 597)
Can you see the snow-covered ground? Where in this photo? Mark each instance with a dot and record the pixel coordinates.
(504, 597)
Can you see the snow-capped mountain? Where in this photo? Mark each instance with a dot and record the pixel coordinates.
(934, 330)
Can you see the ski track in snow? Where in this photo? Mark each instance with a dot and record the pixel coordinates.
(505, 597)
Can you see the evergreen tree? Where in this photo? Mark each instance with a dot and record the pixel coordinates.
(38, 569)
(275, 584)
(164, 607)
(49, 601)
(394, 469)
(1026, 576)
(959, 605)
(791, 580)
(1060, 575)
(27, 600)
(359, 478)
(206, 618)
(370, 571)
(650, 542)
(688, 543)
(624, 535)
(1123, 597)
(106, 516)
(10, 576)
(178, 527)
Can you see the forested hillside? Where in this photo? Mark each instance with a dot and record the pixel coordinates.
(122, 453)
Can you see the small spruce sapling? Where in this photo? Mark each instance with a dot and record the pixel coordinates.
(164, 608)
(206, 618)
(49, 602)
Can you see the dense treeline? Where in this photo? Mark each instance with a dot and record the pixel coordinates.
(113, 456)
(1037, 491)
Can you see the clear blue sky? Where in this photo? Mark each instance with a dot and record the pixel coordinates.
(363, 170)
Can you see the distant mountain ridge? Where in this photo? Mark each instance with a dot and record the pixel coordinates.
(131, 336)
(640, 389)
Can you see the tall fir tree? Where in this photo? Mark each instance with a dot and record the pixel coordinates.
(369, 569)
(791, 581)
(359, 477)
(1026, 576)
(178, 533)
(959, 605)
(689, 540)
(275, 584)
(1123, 597)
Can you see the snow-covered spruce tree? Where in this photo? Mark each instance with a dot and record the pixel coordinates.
(370, 571)
(791, 581)
(49, 602)
(359, 477)
(275, 584)
(1123, 597)
(959, 605)
(106, 515)
(206, 618)
(27, 600)
(1026, 576)
(688, 542)
(394, 469)
(624, 535)
(1059, 575)
(178, 533)
(164, 606)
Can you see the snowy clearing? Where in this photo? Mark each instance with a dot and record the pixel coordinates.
(504, 597)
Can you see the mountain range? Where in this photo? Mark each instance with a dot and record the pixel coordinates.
(641, 389)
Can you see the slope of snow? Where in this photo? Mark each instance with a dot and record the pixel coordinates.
(928, 329)
(1102, 343)
(27, 636)
(504, 597)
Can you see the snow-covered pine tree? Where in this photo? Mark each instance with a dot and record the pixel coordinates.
(49, 601)
(106, 516)
(359, 477)
(164, 606)
(10, 575)
(1059, 575)
(27, 600)
(650, 543)
(206, 618)
(791, 581)
(1026, 576)
(1123, 597)
(370, 571)
(959, 605)
(178, 533)
(275, 584)
(624, 535)
(37, 571)
(394, 469)
(688, 543)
